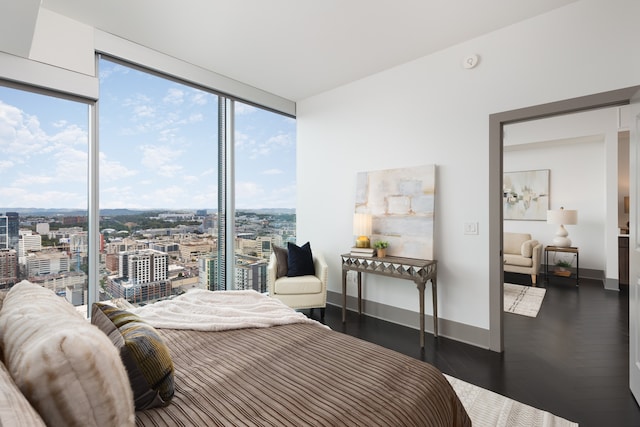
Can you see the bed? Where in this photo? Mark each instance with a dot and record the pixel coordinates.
(233, 364)
(294, 374)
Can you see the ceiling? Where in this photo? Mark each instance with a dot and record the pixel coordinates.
(299, 48)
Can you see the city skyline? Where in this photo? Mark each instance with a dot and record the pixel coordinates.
(158, 148)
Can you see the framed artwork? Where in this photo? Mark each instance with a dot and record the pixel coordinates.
(525, 195)
(401, 203)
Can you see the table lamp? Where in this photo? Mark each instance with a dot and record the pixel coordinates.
(362, 229)
(562, 217)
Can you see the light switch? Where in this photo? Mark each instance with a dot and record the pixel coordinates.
(471, 228)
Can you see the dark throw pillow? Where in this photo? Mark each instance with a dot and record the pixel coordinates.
(282, 259)
(300, 260)
(143, 353)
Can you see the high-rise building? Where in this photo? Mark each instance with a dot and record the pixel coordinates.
(251, 273)
(42, 228)
(9, 230)
(14, 229)
(28, 242)
(143, 276)
(8, 267)
(208, 272)
(143, 266)
(47, 262)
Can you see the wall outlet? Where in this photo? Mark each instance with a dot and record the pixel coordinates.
(471, 228)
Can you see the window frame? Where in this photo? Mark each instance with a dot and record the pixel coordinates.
(36, 77)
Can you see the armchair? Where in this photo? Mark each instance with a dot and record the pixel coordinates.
(522, 254)
(300, 291)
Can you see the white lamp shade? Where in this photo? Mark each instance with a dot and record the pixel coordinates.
(362, 224)
(562, 216)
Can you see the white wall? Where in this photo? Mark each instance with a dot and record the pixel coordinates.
(433, 111)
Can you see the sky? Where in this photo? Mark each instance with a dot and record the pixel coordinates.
(158, 148)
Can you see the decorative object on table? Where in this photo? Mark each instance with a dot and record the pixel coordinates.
(523, 300)
(381, 248)
(368, 252)
(562, 217)
(562, 268)
(525, 195)
(362, 229)
(402, 205)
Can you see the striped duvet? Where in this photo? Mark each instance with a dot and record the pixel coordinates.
(299, 375)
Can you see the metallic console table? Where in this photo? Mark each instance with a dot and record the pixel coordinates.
(418, 270)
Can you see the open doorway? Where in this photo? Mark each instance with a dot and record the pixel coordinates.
(497, 123)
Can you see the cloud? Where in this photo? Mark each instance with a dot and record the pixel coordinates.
(20, 134)
(253, 195)
(113, 170)
(273, 172)
(174, 96)
(161, 159)
(5, 165)
(108, 69)
(244, 109)
(282, 139)
(200, 98)
(27, 180)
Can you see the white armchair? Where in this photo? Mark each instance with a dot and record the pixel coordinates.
(301, 291)
(522, 254)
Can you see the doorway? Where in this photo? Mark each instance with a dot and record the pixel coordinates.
(496, 133)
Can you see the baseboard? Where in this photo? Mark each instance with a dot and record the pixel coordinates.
(612, 284)
(456, 331)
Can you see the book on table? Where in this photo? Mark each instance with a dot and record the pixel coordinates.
(366, 252)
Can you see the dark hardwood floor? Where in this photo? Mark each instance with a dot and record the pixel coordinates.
(572, 360)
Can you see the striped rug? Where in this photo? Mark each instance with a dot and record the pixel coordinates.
(489, 409)
(524, 300)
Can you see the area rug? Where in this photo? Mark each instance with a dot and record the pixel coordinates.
(524, 300)
(489, 409)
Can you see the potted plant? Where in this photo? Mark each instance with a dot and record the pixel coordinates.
(562, 268)
(381, 248)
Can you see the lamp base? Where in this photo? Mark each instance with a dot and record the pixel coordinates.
(562, 242)
(362, 242)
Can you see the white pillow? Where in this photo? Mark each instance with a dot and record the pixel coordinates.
(67, 368)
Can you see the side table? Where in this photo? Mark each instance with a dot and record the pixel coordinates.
(571, 249)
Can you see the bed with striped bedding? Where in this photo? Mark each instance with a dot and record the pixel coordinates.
(299, 374)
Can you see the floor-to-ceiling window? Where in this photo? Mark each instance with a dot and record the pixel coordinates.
(158, 184)
(164, 186)
(265, 190)
(160, 144)
(43, 191)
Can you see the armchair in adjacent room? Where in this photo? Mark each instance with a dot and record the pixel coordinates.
(522, 254)
(302, 291)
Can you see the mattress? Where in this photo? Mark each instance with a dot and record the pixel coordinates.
(299, 375)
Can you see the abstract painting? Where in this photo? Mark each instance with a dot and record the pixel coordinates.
(402, 204)
(525, 195)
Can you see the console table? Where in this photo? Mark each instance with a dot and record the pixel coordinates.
(418, 270)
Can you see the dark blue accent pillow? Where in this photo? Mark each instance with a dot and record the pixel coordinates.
(300, 260)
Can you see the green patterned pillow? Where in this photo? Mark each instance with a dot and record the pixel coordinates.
(143, 352)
